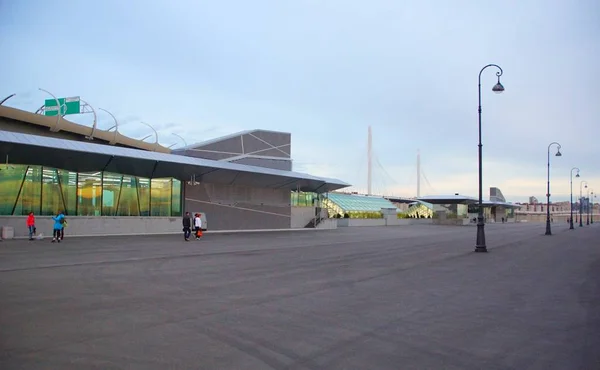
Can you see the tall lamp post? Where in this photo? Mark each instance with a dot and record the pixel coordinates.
(558, 154)
(587, 216)
(480, 245)
(571, 219)
(581, 202)
(592, 210)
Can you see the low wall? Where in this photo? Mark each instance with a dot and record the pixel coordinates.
(329, 224)
(388, 221)
(359, 222)
(82, 225)
(301, 216)
(451, 221)
(556, 218)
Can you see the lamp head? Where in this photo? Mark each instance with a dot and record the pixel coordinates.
(577, 174)
(498, 88)
(558, 153)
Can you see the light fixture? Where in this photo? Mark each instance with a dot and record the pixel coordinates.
(558, 153)
(498, 88)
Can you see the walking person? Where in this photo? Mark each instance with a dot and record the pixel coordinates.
(187, 226)
(198, 225)
(31, 225)
(65, 224)
(59, 220)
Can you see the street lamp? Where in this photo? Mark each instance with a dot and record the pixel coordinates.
(587, 218)
(558, 154)
(498, 88)
(592, 210)
(571, 219)
(581, 202)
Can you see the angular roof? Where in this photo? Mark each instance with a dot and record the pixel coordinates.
(448, 199)
(82, 157)
(360, 203)
(226, 137)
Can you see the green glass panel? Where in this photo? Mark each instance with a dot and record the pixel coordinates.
(128, 204)
(111, 188)
(160, 196)
(176, 198)
(89, 193)
(144, 196)
(29, 200)
(51, 195)
(68, 184)
(11, 177)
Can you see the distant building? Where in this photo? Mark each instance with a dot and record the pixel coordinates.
(533, 200)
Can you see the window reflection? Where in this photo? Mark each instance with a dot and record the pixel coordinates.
(160, 196)
(46, 190)
(89, 192)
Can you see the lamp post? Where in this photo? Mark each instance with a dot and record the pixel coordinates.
(581, 202)
(587, 216)
(480, 245)
(558, 154)
(592, 210)
(571, 219)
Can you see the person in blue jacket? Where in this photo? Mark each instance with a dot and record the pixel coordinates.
(59, 221)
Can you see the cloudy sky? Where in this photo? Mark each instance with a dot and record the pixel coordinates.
(325, 70)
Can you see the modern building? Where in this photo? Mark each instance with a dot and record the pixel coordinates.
(113, 184)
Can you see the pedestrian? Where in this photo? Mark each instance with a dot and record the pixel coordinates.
(59, 220)
(187, 226)
(65, 224)
(198, 225)
(31, 225)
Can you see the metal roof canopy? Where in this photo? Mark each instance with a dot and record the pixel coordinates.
(85, 157)
(448, 199)
(461, 199)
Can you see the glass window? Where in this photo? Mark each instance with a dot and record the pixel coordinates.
(51, 193)
(89, 191)
(111, 189)
(11, 178)
(29, 199)
(176, 198)
(160, 196)
(127, 201)
(68, 185)
(144, 196)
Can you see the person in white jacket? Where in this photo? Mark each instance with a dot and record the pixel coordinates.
(198, 225)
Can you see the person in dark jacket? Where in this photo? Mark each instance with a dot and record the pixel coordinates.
(187, 226)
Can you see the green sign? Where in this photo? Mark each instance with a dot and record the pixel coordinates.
(66, 106)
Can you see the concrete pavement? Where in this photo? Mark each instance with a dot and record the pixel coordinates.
(354, 298)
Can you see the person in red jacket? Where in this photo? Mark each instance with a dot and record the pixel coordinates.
(31, 225)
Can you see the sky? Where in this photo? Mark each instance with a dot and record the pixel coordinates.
(327, 70)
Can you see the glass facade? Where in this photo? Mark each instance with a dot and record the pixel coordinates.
(45, 191)
(302, 199)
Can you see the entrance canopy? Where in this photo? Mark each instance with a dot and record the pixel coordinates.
(19, 148)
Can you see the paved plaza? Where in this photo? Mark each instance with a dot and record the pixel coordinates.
(365, 298)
